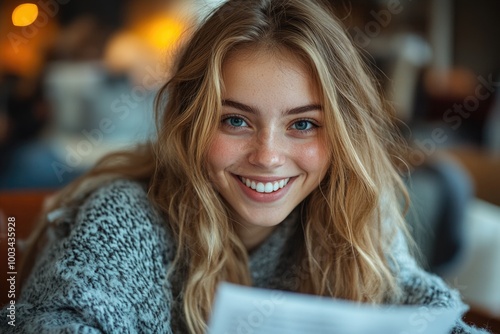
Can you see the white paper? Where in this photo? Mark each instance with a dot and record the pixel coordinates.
(244, 310)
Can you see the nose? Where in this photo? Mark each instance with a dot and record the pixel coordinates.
(268, 151)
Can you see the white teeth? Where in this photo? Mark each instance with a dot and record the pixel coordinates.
(267, 187)
(260, 187)
(276, 186)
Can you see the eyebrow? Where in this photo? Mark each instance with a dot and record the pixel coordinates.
(249, 109)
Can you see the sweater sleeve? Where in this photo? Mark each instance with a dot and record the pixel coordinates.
(106, 275)
(422, 288)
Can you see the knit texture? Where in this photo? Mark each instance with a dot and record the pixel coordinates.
(105, 271)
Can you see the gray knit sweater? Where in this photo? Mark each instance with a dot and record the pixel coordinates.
(106, 271)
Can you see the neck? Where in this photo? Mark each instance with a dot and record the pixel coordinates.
(253, 236)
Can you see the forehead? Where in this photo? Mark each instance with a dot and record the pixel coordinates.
(263, 73)
(260, 53)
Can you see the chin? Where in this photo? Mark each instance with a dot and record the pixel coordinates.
(265, 220)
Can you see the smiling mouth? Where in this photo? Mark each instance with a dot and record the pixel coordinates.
(264, 187)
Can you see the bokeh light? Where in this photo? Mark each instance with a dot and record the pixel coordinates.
(24, 14)
(161, 32)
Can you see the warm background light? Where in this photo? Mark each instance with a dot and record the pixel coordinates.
(25, 14)
(148, 41)
(161, 32)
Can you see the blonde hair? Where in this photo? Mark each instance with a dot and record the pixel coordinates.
(344, 218)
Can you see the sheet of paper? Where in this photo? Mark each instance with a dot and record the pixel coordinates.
(245, 310)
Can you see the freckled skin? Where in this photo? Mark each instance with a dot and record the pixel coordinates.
(267, 142)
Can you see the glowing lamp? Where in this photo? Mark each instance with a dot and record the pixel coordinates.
(24, 14)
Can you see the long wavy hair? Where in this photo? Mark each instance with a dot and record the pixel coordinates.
(346, 236)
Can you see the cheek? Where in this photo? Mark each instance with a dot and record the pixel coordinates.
(313, 157)
(216, 156)
(222, 153)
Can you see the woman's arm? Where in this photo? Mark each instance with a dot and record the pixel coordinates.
(107, 275)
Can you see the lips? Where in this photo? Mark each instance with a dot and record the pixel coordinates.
(264, 187)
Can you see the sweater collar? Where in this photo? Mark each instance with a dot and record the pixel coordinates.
(265, 258)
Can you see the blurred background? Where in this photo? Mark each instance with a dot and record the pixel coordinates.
(78, 79)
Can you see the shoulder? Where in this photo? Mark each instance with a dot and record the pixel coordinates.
(119, 203)
(122, 204)
(121, 210)
(117, 218)
(114, 231)
(121, 193)
(106, 267)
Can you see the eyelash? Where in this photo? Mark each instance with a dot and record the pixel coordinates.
(225, 118)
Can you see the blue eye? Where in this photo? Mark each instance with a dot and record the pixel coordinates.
(234, 121)
(303, 125)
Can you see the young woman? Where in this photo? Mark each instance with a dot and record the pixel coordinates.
(274, 166)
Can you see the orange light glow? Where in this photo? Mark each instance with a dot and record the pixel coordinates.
(24, 14)
(161, 32)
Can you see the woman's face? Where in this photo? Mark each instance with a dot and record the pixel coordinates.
(269, 152)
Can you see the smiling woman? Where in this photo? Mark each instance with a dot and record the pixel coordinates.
(269, 152)
(274, 166)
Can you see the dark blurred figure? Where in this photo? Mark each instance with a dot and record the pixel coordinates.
(25, 114)
(26, 109)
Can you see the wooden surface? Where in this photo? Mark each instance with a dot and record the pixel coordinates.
(482, 320)
(484, 169)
